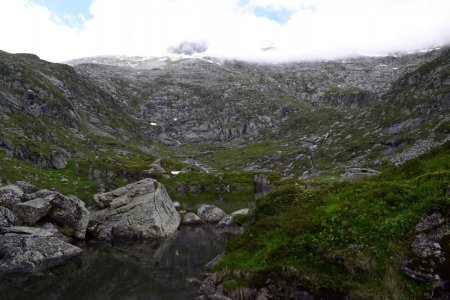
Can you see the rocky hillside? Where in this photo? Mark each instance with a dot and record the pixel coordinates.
(104, 120)
(297, 118)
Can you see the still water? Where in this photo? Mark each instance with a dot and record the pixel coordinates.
(171, 270)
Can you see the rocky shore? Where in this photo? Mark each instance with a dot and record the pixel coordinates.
(39, 227)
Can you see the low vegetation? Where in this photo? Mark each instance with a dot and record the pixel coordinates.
(346, 239)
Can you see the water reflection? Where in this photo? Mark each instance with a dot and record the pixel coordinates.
(229, 202)
(126, 271)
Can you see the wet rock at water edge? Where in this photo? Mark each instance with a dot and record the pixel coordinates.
(191, 219)
(210, 213)
(142, 210)
(226, 221)
(25, 250)
(241, 212)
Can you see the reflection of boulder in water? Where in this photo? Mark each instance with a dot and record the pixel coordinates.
(191, 248)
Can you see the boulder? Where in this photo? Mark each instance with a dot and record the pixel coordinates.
(7, 218)
(210, 213)
(142, 210)
(226, 221)
(191, 219)
(32, 211)
(69, 212)
(25, 250)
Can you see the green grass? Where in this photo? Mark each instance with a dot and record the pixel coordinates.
(350, 238)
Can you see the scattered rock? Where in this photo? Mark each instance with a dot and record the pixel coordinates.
(142, 210)
(210, 213)
(155, 168)
(11, 191)
(57, 160)
(220, 296)
(32, 211)
(357, 173)
(7, 218)
(191, 219)
(26, 187)
(208, 287)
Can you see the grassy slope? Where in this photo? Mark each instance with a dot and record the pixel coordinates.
(350, 238)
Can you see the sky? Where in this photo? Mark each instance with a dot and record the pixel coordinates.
(253, 30)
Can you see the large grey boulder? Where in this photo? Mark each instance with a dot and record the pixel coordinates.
(32, 211)
(210, 213)
(7, 218)
(142, 210)
(26, 249)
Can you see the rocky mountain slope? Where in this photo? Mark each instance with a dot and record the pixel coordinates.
(104, 120)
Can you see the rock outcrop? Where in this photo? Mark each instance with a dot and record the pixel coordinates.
(357, 173)
(142, 210)
(430, 249)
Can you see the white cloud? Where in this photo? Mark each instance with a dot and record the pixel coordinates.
(316, 28)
